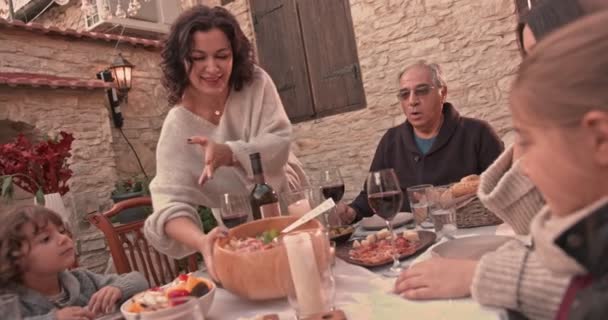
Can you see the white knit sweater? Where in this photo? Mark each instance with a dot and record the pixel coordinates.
(253, 121)
(514, 276)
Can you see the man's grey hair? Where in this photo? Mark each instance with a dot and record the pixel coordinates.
(435, 69)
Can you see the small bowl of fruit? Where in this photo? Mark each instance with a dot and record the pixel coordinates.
(158, 302)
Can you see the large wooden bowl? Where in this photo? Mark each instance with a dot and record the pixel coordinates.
(261, 275)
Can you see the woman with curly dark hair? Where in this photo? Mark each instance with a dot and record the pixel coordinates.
(225, 108)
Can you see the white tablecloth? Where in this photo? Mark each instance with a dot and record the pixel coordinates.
(364, 294)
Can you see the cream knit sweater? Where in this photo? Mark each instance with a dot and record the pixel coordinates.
(514, 277)
(254, 121)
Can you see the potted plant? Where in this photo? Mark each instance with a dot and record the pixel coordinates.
(132, 188)
(38, 168)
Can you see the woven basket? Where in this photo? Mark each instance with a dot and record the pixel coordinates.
(473, 214)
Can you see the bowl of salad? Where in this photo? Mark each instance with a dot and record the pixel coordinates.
(251, 263)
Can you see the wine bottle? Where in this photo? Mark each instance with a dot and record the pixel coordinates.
(264, 200)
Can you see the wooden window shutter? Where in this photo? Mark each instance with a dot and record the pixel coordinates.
(331, 52)
(281, 54)
(522, 6)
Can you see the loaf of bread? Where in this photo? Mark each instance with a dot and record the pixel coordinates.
(464, 188)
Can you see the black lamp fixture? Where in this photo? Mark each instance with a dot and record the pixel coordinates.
(121, 70)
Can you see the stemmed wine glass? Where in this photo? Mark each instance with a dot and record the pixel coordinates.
(332, 186)
(234, 209)
(385, 197)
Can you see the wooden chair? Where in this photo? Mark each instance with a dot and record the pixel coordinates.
(130, 249)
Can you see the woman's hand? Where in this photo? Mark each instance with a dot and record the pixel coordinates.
(74, 313)
(430, 280)
(206, 248)
(345, 213)
(104, 300)
(216, 155)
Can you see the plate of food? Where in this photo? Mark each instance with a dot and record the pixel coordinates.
(377, 250)
(341, 234)
(376, 223)
(156, 302)
(469, 247)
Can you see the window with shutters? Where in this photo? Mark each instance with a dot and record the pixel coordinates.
(308, 47)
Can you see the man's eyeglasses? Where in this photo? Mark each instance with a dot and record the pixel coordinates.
(421, 90)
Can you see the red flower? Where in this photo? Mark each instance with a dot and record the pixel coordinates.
(42, 166)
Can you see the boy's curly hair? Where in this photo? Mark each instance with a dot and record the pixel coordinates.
(14, 244)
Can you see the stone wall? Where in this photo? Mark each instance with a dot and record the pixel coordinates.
(100, 154)
(472, 40)
(81, 113)
(23, 51)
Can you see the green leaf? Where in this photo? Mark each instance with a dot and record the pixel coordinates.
(7, 187)
(40, 197)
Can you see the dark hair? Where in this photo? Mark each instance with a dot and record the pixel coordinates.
(13, 240)
(567, 65)
(178, 45)
(546, 17)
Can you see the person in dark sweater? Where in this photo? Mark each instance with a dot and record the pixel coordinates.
(435, 145)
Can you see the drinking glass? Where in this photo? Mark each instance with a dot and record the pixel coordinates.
(9, 307)
(310, 281)
(385, 198)
(420, 205)
(234, 209)
(443, 211)
(332, 186)
(299, 202)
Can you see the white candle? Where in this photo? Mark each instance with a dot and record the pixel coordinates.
(304, 273)
(299, 208)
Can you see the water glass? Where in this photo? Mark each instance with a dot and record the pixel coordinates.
(9, 307)
(419, 205)
(235, 209)
(311, 285)
(443, 211)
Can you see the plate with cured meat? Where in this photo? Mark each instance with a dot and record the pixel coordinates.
(377, 249)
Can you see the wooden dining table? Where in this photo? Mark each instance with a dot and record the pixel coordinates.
(364, 294)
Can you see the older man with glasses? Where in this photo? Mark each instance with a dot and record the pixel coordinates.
(435, 145)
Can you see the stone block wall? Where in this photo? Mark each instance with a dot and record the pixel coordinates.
(24, 51)
(81, 113)
(100, 153)
(473, 41)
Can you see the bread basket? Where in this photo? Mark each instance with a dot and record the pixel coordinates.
(470, 212)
